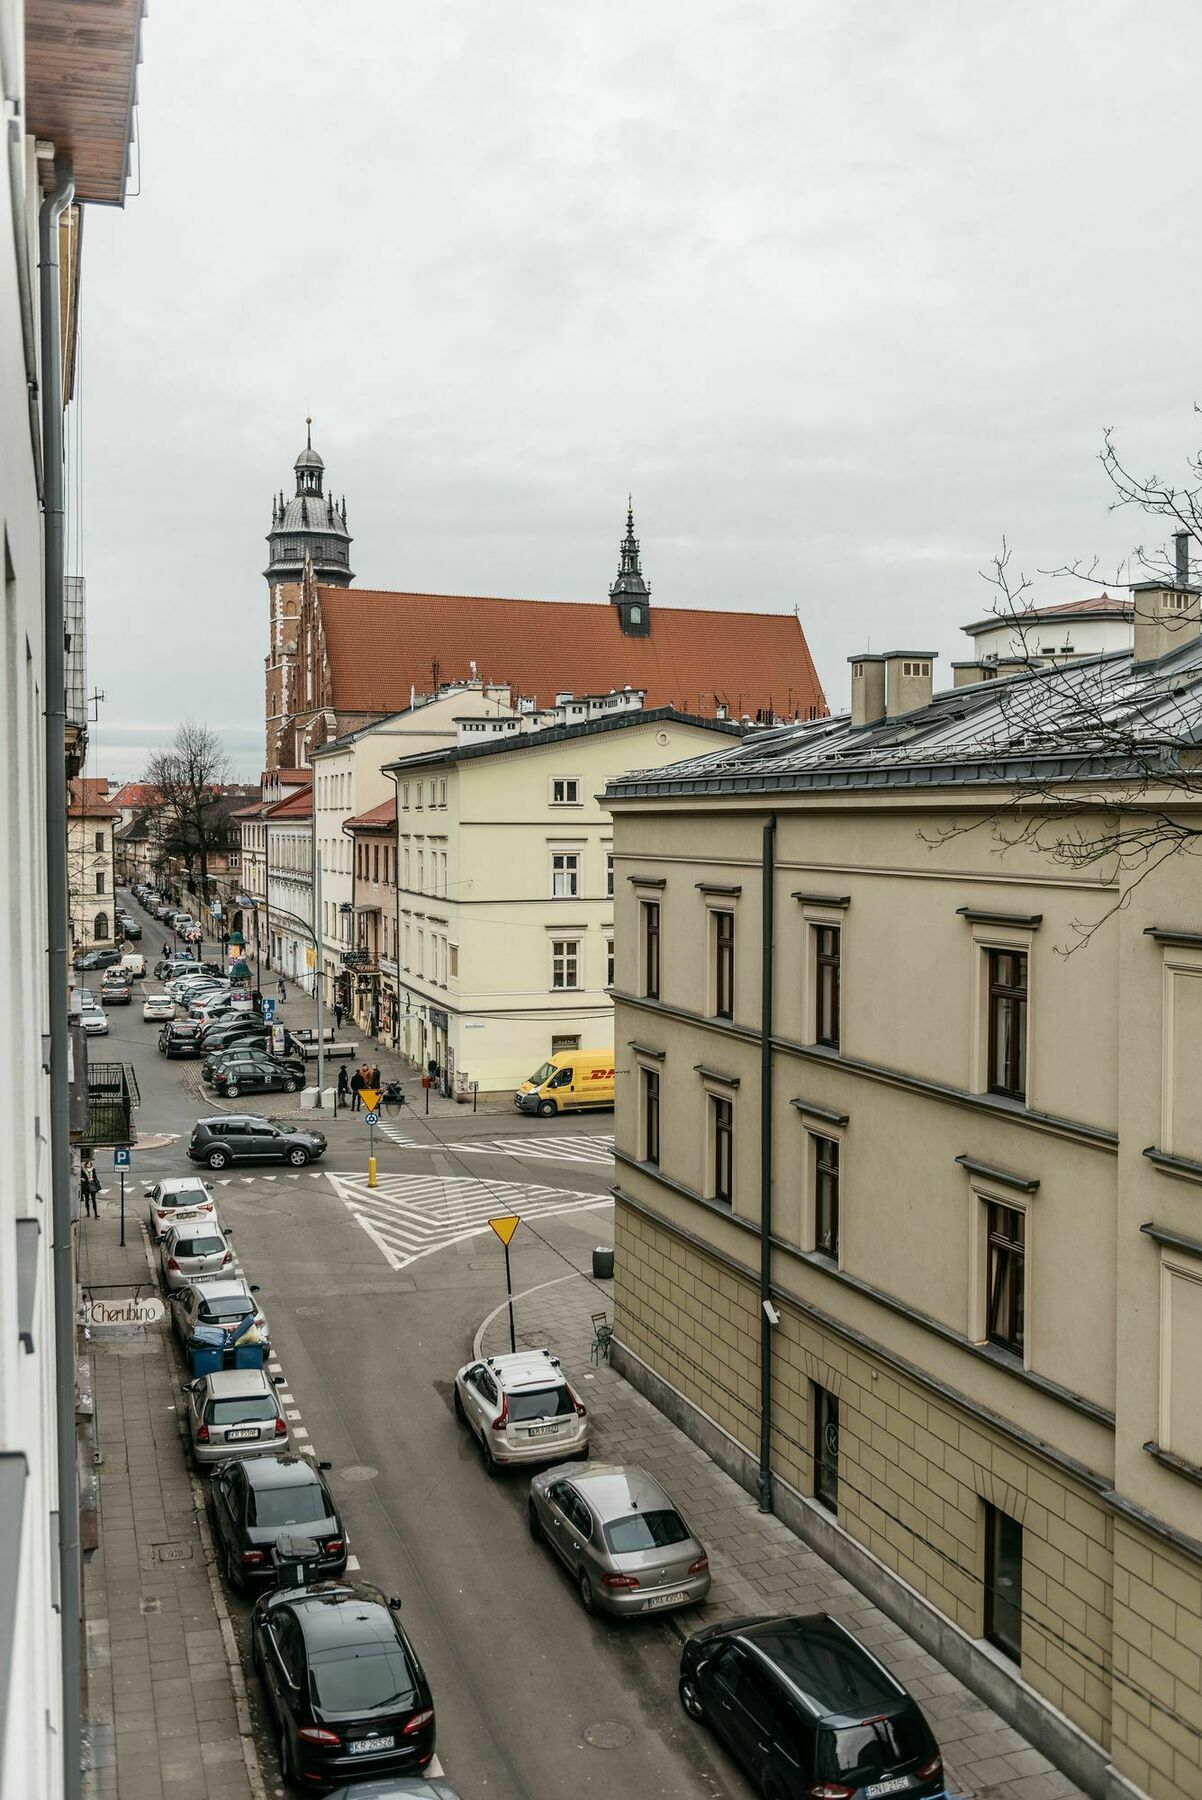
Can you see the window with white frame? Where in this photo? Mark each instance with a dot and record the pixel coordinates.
(609, 962)
(565, 874)
(405, 796)
(565, 962)
(609, 874)
(565, 790)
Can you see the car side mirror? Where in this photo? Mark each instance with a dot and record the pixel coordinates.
(394, 1601)
(279, 1380)
(185, 1387)
(254, 1287)
(325, 1467)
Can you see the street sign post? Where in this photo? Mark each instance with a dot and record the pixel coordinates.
(371, 1118)
(268, 1011)
(121, 1163)
(505, 1228)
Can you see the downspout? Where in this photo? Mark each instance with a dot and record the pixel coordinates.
(767, 1315)
(17, 184)
(62, 1191)
(396, 917)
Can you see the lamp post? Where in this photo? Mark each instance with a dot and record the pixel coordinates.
(245, 900)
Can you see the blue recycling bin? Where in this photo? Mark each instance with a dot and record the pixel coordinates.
(248, 1356)
(206, 1350)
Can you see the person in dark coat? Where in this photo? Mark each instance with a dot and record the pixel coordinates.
(356, 1088)
(89, 1186)
(375, 1078)
(338, 1015)
(344, 1086)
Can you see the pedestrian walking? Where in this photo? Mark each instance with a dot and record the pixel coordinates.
(89, 1186)
(338, 1015)
(356, 1089)
(166, 949)
(281, 990)
(344, 1087)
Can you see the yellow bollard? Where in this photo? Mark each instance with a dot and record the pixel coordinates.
(371, 1171)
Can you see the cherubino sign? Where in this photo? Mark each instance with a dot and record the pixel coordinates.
(124, 1309)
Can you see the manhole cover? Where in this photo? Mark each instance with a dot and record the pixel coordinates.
(309, 1312)
(608, 1735)
(173, 1552)
(358, 1472)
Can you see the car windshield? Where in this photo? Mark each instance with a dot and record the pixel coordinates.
(645, 1531)
(301, 1503)
(197, 1246)
(366, 1680)
(228, 1306)
(543, 1073)
(540, 1403)
(861, 1753)
(241, 1412)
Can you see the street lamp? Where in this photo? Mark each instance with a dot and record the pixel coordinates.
(246, 901)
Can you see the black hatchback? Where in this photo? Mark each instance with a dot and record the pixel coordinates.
(349, 1696)
(809, 1712)
(181, 1038)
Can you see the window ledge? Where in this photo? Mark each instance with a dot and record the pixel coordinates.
(842, 901)
(1178, 1464)
(1169, 1164)
(1161, 934)
(825, 1113)
(1175, 1240)
(708, 1074)
(1026, 1184)
(979, 915)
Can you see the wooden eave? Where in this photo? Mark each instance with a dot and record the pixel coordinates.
(81, 64)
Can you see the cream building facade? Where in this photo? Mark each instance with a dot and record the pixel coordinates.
(91, 864)
(962, 1170)
(505, 901)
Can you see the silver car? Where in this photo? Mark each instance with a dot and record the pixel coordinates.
(521, 1409)
(189, 1251)
(217, 1302)
(180, 1200)
(620, 1538)
(235, 1413)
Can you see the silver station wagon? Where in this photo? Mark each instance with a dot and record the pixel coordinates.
(620, 1538)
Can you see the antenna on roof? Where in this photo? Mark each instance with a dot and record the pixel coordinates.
(308, 431)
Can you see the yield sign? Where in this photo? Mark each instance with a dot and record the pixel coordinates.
(505, 1227)
(370, 1098)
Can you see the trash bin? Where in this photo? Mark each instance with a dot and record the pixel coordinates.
(603, 1263)
(206, 1350)
(247, 1345)
(295, 1560)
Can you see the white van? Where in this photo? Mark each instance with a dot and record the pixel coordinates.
(135, 962)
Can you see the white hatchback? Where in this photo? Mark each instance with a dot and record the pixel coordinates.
(521, 1409)
(183, 1200)
(158, 1006)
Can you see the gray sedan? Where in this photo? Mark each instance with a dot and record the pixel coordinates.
(621, 1539)
(235, 1413)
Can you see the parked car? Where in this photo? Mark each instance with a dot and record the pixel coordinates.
(181, 1038)
(131, 929)
(168, 966)
(345, 1686)
(620, 1538)
(252, 1504)
(179, 1199)
(239, 1072)
(521, 1409)
(189, 1250)
(162, 912)
(97, 959)
(245, 1137)
(235, 1412)
(158, 1006)
(229, 1034)
(403, 1787)
(215, 1301)
(807, 1710)
(93, 1018)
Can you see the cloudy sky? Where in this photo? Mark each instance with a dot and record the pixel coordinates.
(842, 292)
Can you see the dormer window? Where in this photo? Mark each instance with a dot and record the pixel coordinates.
(636, 615)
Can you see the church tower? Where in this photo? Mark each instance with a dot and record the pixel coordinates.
(311, 526)
(630, 593)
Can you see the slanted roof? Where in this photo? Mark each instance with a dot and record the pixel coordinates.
(88, 799)
(292, 806)
(515, 743)
(382, 646)
(378, 818)
(136, 793)
(1100, 606)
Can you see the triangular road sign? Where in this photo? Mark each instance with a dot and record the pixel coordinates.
(506, 1226)
(370, 1098)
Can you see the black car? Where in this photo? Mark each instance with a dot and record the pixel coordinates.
(97, 959)
(181, 1037)
(131, 929)
(348, 1693)
(253, 1503)
(245, 1137)
(807, 1710)
(244, 1072)
(242, 1025)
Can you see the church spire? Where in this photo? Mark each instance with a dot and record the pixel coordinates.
(630, 592)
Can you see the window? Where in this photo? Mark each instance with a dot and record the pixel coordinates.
(609, 874)
(561, 1045)
(826, 1447)
(421, 952)
(421, 871)
(1008, 1023)
(100, 881)
(724, 964)
(565, 962)
(454, 953)
(405, 795)
(916, 668)
(442, 791)
(375, 862)
(565, 874)
(100, 840)
(826, 1196)
(722, 1113)
(1006, 1276)
(418, 790)
(565, 791)
(651, 1116)
(1003, 1582)
(651, 949)
(406, 865)
(100, 927)
(827, 983)
(609, 962)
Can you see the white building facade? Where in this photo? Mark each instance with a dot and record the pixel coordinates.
(290, 896)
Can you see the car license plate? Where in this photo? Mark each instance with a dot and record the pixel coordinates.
(887, 1787)
(672, 1599)
(543, 1430)
(362, 1746)
(245, 1431)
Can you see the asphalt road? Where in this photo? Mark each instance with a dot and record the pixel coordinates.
(369, 1324)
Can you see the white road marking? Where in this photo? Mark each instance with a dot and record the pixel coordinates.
(411, 1216)
(585, 1147)
(298, 1431)
(352, 1562)
(292, 1415)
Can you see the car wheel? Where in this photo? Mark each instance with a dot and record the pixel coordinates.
(298, 1157)
(459, 1412)
(547, 1109)
(290, 1087)
(231, 1092)
(217, 1159)
(536, 1530)
(490, 1462)
(690, 1699)
(586, 1592)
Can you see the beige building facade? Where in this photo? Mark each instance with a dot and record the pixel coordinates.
(976, 1161)
(91, 865)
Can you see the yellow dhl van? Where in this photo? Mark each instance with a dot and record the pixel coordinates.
(573, 1081)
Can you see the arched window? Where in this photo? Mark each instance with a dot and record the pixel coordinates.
(100, 927)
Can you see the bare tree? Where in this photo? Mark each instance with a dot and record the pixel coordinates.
(189, 777)
(1112, 775)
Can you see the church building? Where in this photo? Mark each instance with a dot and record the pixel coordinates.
(341, 657)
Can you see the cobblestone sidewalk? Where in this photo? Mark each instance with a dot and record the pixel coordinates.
(758, 1564)
(165, 1712)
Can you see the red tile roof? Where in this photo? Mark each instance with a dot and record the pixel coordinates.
(87, 799)
(136, 793)
(293, 806)
(382, 645)
(384, 814)
(1103, 603)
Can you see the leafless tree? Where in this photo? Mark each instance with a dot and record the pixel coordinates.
(1112, 770)
(189, 776)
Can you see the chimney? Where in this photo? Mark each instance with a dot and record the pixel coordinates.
(867, 688)
(1181, 548)
(1166, 618)
(908, 680)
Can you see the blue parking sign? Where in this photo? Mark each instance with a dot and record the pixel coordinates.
(269, 1010)
(120, 1159)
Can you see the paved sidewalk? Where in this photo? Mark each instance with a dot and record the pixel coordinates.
(758, 1564)
(165, 1712)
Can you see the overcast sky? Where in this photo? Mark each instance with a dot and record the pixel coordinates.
(842, 292)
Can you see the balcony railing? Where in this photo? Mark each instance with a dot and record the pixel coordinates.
(112, 1096)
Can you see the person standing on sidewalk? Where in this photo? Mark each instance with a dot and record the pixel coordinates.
(89, 1186)
(338, 1018)
(344, 1087)
(356, 1088)
(281, 990)
(375, 1078)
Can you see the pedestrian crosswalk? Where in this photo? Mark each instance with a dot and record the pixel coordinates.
(408, 1217)
(582, 1147)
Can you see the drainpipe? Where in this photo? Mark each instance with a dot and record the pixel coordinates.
(767, 1314)
(17, 181)
(62, 1191)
